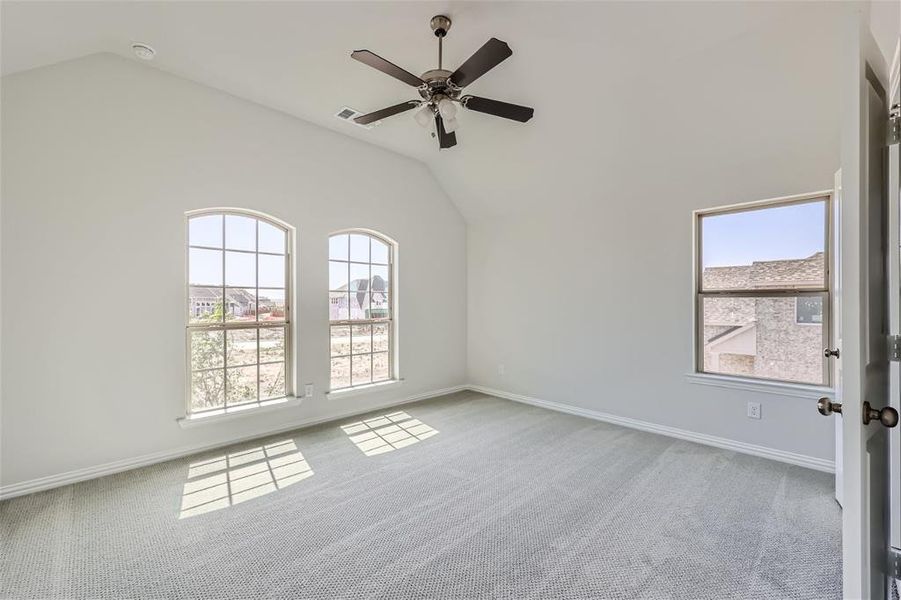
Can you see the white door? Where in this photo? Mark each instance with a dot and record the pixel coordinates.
(866, 304)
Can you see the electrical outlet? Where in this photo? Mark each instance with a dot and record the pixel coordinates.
(308, 390)
(753, 410)
(501, 370)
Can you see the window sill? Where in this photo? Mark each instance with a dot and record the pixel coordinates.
(778, 388)
(229, 414)
(363, 389)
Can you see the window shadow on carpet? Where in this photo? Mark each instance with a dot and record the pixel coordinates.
(236, 477)
(386, 433)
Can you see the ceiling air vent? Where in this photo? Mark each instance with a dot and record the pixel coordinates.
(348, 114)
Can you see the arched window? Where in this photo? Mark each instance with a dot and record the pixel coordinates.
(238, 307)
(361, 309)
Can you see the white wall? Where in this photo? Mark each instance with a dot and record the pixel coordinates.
(101, 158)
(587, 300)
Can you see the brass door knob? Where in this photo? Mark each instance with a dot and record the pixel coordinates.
(827, 407)
(888, 416)
(827, 352)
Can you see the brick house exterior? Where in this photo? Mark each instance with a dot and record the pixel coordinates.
(776, 338)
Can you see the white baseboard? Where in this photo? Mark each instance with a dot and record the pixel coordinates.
(801, 460)
(61, 479)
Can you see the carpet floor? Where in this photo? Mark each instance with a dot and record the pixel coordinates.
(464, 496)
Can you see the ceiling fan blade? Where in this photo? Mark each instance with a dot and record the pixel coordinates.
(497, 108)
(485, 58)
(445, 139)
(386, 112)
(389, 68)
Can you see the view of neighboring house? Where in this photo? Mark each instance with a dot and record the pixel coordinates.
(359, 301)
(774, 337)
(240, 304)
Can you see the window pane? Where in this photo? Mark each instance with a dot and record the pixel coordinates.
(240, 269)
(380, 366)
(240, 233)
(359, 277)
(207, 390)
(362, 369)
(337, 275)
(340, 340)
(359, 305)
(205, 231)
(272, 271)
(359, 248)
(207, 349)
(761, 337)
(240, 304)
(361, 339)
(337, 247)
(272, 344)
(380, 337)
(379, 306)
(338, 305)
(379, 252)
(781, 246)
(272, 305)
(340, 374)
(204, 305)
(272, 381)
(272, 238)
(241, 347)
(205, 267)
(809, 310)
(242, 385)
(379, 278)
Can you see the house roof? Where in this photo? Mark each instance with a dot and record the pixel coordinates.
(802, 272)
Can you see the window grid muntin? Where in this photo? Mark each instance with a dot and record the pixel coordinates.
(775, 292)
(349, 322)
(225, 325)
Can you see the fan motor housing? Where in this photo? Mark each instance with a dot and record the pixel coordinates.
(436, 81)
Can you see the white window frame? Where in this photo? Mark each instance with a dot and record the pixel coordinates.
(226, 326)
(390, 320)
(825, 291)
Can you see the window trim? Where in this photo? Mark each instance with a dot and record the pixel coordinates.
(391, 319)
(697, 371)
(212, 414)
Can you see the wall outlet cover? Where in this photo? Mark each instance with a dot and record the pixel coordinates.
(308, 390)
(753, 410)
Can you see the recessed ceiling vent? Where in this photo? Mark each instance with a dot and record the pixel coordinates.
(348, 114)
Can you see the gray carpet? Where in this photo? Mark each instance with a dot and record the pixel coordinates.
(464, 496)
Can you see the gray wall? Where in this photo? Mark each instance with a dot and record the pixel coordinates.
(101, 158)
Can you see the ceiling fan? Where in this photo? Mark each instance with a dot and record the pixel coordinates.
(441, 89)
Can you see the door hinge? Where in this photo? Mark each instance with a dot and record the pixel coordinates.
(893, 568)
(893, 129)
(894, 347)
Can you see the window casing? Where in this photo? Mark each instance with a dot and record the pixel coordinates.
(762, 291)
(238, 310)
(361, 309)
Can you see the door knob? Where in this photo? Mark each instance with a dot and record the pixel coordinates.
(830, 352)
(827, 407)
(888, 416)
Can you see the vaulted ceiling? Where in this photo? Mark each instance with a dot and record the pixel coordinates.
(609, 81)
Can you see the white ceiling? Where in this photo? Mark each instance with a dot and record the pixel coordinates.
(601, 76)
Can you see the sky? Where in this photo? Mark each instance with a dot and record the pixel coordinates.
(784, 232)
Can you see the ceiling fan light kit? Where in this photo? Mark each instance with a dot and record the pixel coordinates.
(441, 89)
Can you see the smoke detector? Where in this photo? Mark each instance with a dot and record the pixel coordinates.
(143, 51)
